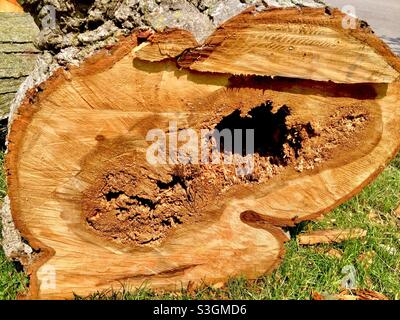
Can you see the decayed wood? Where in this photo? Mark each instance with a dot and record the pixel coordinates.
(83, 194)
(330, 236)
(17, 54)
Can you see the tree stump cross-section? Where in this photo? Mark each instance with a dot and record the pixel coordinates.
(323, 102)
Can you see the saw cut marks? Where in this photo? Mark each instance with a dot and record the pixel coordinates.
(291, 43)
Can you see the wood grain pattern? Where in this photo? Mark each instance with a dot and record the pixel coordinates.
(88, 119)
(306, 44)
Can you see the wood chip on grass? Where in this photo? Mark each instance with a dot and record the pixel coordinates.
(357, 294)
(330, 236)
(397, 213)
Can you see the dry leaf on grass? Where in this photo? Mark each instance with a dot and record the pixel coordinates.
(218, 285)
(357, 294)
(374, 216)
(332, 252)
(335, 253)
(397, 213)
(367, 258)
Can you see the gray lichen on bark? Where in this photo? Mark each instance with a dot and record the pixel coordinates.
(83, 27)
(13, 245)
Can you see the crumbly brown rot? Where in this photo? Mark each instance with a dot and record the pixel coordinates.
(139, 205)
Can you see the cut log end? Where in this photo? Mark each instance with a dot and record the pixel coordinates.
(96, 179)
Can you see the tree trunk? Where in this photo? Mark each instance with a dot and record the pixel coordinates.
(17, 55)
(100, 187)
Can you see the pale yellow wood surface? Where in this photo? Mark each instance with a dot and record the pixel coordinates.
(330, 236)
(303, 44)
(10, 6)
(55, 154)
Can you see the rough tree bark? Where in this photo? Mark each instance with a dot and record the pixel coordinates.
(17, 55)
(97, 213)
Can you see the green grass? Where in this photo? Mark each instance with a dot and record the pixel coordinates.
(11, 281)
(305, 269)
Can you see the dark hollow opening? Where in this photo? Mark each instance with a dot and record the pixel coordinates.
(270, 130)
